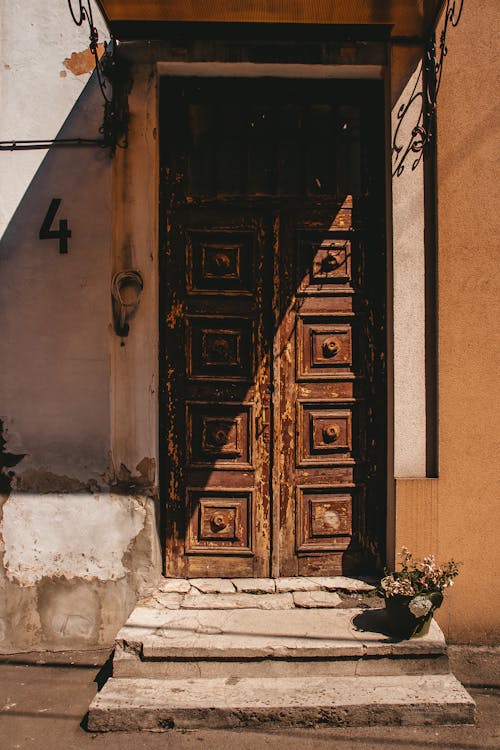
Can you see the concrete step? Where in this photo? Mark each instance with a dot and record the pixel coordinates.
(162, 643)
(232, 703)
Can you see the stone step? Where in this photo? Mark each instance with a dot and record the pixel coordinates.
(161, 643)
(266, 585)
(232, 703)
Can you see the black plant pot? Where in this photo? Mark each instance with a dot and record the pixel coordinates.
(404, 624)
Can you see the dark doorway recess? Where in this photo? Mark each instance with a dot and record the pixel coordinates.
(272, 310)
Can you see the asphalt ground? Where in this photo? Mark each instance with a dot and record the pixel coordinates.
(44, 699)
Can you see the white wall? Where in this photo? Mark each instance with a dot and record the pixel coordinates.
(78, 539)
(409, 288)
(38, 90)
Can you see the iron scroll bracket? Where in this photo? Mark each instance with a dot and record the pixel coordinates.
(422, 102)
(111, 78)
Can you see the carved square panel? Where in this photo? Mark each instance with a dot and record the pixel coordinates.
(324, 263)
(324, 349)
(219, 348)
(324, 518)
(220, 261)
(219, 435)
(324, 435)
(219, 521)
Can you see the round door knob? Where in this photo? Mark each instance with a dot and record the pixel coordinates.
(221, 263)
(219, 521)
(331, 347)
(330, 433)
(220, 348)
(218, 436)
(330, 262)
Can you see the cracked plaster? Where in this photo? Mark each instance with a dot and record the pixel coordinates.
(68, 535)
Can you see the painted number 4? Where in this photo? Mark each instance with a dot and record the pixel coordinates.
(62, 234)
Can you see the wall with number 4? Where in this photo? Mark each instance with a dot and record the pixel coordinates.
(64, 533)
(54, 247)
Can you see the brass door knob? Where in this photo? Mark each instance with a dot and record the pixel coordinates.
(221, 263)
(219, 521)
(220, 348)
(329, 263)
(330, 433)
(331, 347)
(218, 436)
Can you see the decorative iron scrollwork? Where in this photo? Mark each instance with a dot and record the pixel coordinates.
(423, 97)
(83, 14)
(115, 122)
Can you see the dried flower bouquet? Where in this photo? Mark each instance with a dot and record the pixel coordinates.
(415, 591)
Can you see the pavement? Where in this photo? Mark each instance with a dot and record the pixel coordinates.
(44, 699)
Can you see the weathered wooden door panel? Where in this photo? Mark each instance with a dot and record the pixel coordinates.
(217, 387)
(273, 410)
(321, 352)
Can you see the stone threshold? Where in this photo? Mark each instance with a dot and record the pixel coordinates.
(257, 593)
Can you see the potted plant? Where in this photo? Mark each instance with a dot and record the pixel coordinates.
(414, 592)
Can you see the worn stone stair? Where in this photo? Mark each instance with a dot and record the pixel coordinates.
(238, 657)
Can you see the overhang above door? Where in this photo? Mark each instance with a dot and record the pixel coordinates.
(407, 18)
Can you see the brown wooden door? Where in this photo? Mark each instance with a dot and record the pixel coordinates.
(272, 315)
(328, 438)
(217, 393)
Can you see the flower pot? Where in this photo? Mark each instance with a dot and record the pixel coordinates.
(402, 622)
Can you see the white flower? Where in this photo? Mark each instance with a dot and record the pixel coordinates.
(420, 606)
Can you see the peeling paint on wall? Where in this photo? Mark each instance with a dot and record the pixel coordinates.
(7, 460)
(125, 480)
(44, 481)
(82, 62)
(72, 536)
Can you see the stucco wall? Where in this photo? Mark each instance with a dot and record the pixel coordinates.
(469, 315)
(408, 261)
(78, 537)
(458, 514)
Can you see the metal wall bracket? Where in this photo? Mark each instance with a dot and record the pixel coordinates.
(126, 290)
(423, 98)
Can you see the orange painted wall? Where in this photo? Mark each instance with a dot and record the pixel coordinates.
(469, 323)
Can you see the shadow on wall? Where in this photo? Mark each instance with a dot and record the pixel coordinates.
(74, 558)
(54, 309)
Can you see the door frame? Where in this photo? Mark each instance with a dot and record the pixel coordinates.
(134, 241)
(235, 69)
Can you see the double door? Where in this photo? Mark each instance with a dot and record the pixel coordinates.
(272, 393)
